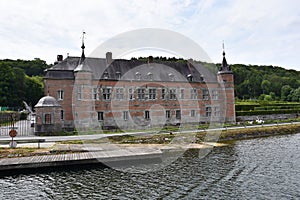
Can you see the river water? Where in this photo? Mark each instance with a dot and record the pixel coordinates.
(263, 168)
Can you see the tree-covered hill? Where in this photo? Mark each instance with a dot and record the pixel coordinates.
(21, 80)
(266, 83)
(34, 67)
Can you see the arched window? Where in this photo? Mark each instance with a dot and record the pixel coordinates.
(190, 77)
(150, 76)
(137, 76)
(171, 77)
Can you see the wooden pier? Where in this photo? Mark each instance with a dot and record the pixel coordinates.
(109, 158)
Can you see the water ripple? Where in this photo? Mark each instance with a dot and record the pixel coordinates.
(265, 168)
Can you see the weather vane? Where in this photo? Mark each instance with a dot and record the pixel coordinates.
(83, 33)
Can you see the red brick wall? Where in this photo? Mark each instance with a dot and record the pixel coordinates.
(136, 108)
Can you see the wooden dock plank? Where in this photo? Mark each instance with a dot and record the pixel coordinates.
(104, 156)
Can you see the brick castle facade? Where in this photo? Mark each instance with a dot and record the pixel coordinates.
(133, 94)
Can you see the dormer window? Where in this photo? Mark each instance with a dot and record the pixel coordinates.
(118, 75)
(190, 77)
(171, 77)
(150, 76)
(202, 78)
(105, 75)
(137, 76)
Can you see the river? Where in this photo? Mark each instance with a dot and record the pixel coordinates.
(263, 168)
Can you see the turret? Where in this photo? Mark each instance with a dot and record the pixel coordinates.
(226, 81)
(83, 105)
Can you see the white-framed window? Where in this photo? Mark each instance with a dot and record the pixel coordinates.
(95, 93)
(193, 113)
(60, 95)
(152, 93)
(119, 93)
(79, 92)
(163, 93)
(194, 93)
(178, 114)
(205, 94)
(141, 93)
(182, 93)
(100, 116)
(217, 112)
(172, 94)
(168, 114)
(215, 95)
(208, 111)
(125, 115)
(130, 93)
(106, 93)
(62, 114)
(147, 114)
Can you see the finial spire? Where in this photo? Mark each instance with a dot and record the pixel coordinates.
(83, 33)
(223, 46)
(224, 66)
(82, 47)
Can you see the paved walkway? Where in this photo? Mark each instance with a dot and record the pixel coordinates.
(100, 136)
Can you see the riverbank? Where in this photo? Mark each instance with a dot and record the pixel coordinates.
(263, 131)
(127, 148)
(212, 135)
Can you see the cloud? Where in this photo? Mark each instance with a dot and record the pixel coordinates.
(256, 32)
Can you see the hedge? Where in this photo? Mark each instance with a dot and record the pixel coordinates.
(267, 112)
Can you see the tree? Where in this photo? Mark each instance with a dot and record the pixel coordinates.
(266, 86)
(34, 89)
(285, 92)
(6, 85)
(295, 95)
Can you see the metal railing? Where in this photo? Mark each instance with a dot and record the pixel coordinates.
(23, 126)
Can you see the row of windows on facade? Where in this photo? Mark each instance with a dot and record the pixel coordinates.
(209, 111)
(143, 93)
(149, 76)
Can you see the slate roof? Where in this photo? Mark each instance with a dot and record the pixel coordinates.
(47, 101)
(130, 70)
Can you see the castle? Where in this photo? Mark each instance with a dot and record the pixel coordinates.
(107, 93)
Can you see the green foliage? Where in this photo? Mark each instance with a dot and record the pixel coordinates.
(267, 112)
(266, 83)
(34, 67)
(21, 81)
(265, 107)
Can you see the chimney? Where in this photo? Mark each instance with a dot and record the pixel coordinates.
(150, 59)
(59, 58)
(108, 58)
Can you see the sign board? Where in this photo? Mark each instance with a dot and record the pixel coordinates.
(13, 133)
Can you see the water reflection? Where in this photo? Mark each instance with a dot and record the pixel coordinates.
(249, 169)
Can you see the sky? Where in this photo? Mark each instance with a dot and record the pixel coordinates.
(255, 32)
